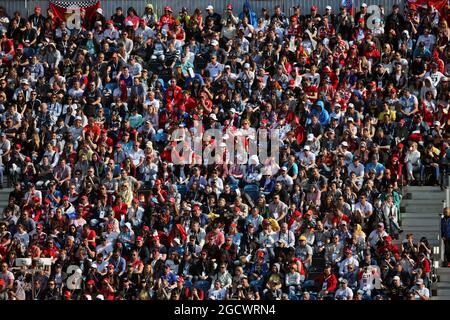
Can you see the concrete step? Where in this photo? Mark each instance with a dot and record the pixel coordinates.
(444, 278)
(413, 189)
(430, 221)
(426, 196)
(441, 297)
(420, 217)
(443, 292)
(443, 285)
(421, 202)
(443, 271)
(420, 226)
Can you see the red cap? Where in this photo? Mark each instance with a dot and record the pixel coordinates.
(266, 222)
(158, 182)
(400, 146)
(326, 69)
(229, 6)
(136, 200)
(402, 121)
(292, 82)
(361, 20)
(195, 207)
(180, 279)
(260, 253)
(47, 200)
(110, 22)
(84, 197)
(109, 226)
(35, 199)
(27, 159)
(67, 294)
(139, 238)
(233, 225)
(394, 158)
(40, 226)
(65, 198)
(313, 8)
(142, 20)
(237, 209)
(90, 282)
(145, 228)
(20, 46)
(18, 146)
(348, 250)
(388, 238)
(118, 145)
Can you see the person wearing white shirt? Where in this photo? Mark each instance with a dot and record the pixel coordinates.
(216, 180)
(412, 160)
(376, 235)
(344, 292)
(214, 68)
(420, 291)
(363, 208)
(285, 178)
(137, 155)
(349, 260)
(284, 238)
(217, 293)
(427, 38)
(306, 156)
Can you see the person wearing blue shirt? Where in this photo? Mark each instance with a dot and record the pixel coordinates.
(375, 165)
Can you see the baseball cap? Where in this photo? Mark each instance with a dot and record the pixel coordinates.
(302, 238)
(308, 148)
(419, 281)
(210, 7)
(314, 8)
(229, 6)
(310, 137)
(214, 42)
(99, 10)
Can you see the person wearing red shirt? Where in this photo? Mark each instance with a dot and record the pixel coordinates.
(423, 263)
(388, 246)
(92, 128)
(6, 48)
(50, 250)
(167, 17)
(120, 209)
(338, 217)
(187, 101)
(326, 283)
(90, 235)
(173, 95)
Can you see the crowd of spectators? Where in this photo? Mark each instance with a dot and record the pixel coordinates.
(102, 210)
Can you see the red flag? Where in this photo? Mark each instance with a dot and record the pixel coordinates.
(438, 4)
(69, 10)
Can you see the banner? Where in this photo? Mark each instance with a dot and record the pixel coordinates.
(69, 10)
(348, 4)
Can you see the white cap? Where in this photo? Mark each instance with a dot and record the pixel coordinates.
(94, 265)
(343, 222)
(351, 105)
(364, 5)
(308, 148)
(350, 119)
(210, 7)
(233, 110)
(222, 144)
(436, 123)
(328, 7)
(88, 297)
(284, 168)
(176, 240)
(310, 137)
(129, 23)
(99, 10)
(214, 42)
(100, 297)
(78, 118)
(213, 116)
(345, 144)
(246, 65)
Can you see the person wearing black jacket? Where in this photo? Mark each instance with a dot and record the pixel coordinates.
(142, 250)
(51, 292)
(248, 240)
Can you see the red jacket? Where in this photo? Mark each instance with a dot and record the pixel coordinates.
(330, 280)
